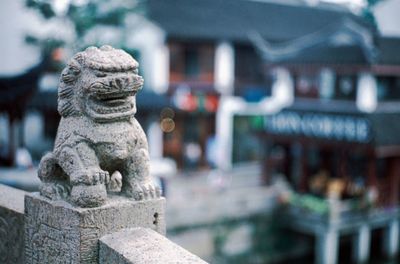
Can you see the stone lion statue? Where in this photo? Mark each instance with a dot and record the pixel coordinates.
(98, 135)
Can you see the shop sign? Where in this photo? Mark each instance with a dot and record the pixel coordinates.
(323, 126)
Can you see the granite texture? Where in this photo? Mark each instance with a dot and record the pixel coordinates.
(142, 246)
(99, 144)
(11, 225)
(57, 232)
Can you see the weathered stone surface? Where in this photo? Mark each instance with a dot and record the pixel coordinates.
(57, 232)
(98, 135)
(11, 225)
(142, 246)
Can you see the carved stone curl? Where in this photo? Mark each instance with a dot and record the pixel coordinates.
(98, 135)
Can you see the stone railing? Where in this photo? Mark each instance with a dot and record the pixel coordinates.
(129, 245)
(11, 225)
(121, 231)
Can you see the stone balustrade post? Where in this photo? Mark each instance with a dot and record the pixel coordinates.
(58, 232)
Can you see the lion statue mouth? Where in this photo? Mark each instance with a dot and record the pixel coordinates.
(110, 106)
(114, 100)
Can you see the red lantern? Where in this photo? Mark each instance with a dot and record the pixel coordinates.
(211, 103)
(190, 103)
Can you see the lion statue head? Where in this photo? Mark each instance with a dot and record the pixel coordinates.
(100, 83)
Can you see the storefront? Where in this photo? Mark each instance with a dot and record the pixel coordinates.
(339, 152)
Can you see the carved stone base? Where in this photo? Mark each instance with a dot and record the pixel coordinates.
(11, 225)
(57, 232)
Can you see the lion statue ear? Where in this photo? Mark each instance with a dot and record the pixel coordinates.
(69, 75)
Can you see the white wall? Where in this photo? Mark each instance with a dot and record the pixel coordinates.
(33, 129)
(154, 54)
(387, 16)
(15, 22)
(155, 139)
(283, 87)
(367, 92)
(224, 68)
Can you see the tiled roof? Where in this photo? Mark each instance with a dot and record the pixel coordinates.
(234, 19)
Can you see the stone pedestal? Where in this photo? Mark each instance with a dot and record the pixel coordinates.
(58, 232)
(11, 225)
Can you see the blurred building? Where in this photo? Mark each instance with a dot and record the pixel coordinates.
(336, 143)
(321, 86)
(196, 57)
(213, 50)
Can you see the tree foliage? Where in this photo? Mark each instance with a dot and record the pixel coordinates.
(83, 16)
(367, 11)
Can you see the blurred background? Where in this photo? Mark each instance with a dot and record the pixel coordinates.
(273, 126)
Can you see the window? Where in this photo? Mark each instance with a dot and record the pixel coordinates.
(248, 65)
(252, 80)
(388, 88)
(307, 86)
(191, 62)
(346, 87)
(192, 65)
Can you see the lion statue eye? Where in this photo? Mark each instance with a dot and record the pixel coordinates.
(100, 74)
(97, 85)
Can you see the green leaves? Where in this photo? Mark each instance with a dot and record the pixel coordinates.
(43, 6)
(85, 15)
